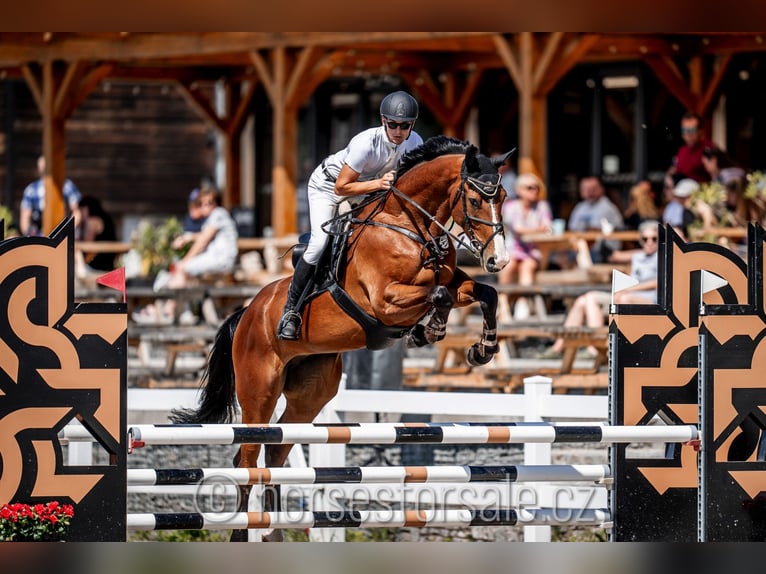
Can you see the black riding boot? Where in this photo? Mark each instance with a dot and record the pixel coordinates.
(290, 324)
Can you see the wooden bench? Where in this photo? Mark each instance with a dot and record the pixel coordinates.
(174, 341)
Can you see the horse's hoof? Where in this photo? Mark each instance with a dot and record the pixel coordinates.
(238, 536)
(476, 359)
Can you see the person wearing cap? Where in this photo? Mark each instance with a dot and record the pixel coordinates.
(193, 219)
(677, 212)
(367, 164)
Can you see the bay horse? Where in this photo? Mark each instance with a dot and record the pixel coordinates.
(398, 277)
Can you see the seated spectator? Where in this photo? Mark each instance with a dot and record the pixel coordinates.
(720, 167)
(596, 211)
(677, 212)
(592, 308)
(213, 250)
(641, 205)
(528, 213)
(97, 225)
(33, 203)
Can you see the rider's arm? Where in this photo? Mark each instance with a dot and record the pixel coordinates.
(347, 184)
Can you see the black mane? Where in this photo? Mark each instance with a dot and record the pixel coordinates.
(430, 149)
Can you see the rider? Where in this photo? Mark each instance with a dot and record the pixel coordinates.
(367, 164)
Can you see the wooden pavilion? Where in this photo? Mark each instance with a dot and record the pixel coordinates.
(444, 70)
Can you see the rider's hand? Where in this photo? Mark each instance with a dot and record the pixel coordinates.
(387, 180)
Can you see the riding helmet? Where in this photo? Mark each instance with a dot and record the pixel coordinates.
(399, 106)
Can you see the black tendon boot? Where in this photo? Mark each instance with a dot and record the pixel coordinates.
(289, 327)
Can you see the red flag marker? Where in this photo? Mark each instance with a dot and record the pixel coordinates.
(115, 280)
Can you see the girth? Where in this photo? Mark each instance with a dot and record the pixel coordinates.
(379, 335)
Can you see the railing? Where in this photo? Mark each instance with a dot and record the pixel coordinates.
(535, 404)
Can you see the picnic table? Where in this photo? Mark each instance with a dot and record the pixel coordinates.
(549, 243)
(450, 370)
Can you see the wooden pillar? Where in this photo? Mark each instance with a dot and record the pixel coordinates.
(58, 88)
(54, 150)
(232, 149)
(526, 114)
(288, 84)
(535, 75)
(284, 214)
(229, 122)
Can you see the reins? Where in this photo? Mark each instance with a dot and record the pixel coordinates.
(488, 190)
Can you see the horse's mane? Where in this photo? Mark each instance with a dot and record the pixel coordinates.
(430, 149)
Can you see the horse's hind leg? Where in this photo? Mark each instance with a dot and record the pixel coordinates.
(258, 400)
(310, 383)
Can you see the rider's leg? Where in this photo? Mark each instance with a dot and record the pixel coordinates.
(290, 324)
(322, 203)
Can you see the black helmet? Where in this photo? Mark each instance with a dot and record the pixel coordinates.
(399, 106)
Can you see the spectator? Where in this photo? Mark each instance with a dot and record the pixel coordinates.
(528, 213)
(592, 308)
(213, 250)
(596, 211)
(33, 203)
(97, 225)
(641, 205)
(688, 160)
(719, 166)
(193, 219)
(677, 212)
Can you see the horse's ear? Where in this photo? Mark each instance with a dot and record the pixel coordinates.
(500, 160)
(471, 164)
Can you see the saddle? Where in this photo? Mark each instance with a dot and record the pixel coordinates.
(329, 273)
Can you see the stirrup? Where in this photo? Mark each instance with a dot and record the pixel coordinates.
(288, 320)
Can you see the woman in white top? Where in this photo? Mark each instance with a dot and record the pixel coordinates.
(367, 164)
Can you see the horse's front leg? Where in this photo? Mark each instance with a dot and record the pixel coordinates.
(433, 327)
(469, 291)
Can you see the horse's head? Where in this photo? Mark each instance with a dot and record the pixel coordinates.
(477, 208)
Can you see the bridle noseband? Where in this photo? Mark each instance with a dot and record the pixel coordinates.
(488, 191)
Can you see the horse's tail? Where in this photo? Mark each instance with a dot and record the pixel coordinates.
(218, 403)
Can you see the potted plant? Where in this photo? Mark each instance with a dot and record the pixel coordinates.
(35, 523)
(154, 244)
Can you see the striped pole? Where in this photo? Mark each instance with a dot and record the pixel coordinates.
(365, 474)
(384, 433)
(368, 519)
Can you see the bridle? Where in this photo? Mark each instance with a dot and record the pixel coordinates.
(489, 191)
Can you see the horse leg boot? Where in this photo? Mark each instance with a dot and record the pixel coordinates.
(289, 327)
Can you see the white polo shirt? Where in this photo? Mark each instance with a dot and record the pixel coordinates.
(370, 154)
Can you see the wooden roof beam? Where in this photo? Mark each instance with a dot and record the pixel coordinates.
(572, 54)
(164, 45)
(199, 102)
(667, 72)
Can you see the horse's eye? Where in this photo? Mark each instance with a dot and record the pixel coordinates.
(475, 203)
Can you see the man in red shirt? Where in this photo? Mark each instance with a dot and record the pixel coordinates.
(689, 157)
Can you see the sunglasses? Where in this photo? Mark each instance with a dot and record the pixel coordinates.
(689, 130)
(401, 125)
(650, 238)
